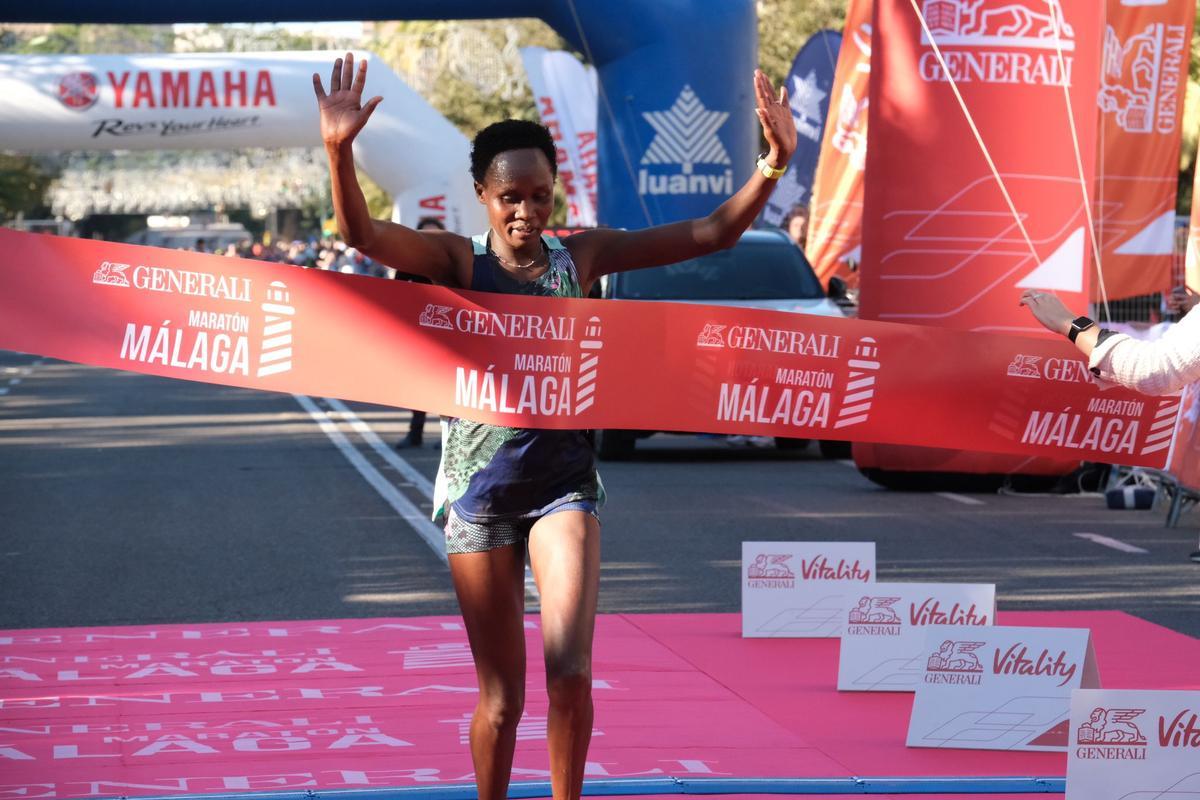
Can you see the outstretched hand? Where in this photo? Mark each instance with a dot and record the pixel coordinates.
(343, 114)
(779, 129)
(1049, 310)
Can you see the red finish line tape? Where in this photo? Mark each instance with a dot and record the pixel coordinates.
(555, 363)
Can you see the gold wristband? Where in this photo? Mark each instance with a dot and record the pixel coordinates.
(769, 172)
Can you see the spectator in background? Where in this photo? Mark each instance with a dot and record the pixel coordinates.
(1181, 300)
(200, 248)
(416, 428)
(796, 226)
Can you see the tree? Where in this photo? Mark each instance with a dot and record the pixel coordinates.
(60, 39)
(785, 25)
(470, 71)
(23, 185)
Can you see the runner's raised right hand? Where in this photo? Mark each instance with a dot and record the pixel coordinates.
(342, 113)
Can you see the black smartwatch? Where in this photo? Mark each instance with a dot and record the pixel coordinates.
(1078, 326)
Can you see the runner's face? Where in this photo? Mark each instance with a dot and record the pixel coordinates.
(518, 191)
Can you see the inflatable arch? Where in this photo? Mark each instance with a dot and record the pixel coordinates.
(234, 100)
(677, 131)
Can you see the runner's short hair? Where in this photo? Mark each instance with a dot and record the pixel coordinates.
(510, 134)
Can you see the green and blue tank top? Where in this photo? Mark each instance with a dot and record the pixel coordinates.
(491, 472)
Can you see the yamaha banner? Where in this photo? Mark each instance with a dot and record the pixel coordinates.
(1143, 80)
(941, 244)
(563, 363)
(809, 85)
(225, 101)
(835, 230)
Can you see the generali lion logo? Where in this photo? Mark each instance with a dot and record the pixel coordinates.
(435, 316)
(1112, 726)
(771, 571)
(111, 274)
(956, 657)
(1027, 42)
(770, 565)
(1139, 77)
(1024, 366)
(875, 611)
(712, 336)
(78, 91)
(986, 23)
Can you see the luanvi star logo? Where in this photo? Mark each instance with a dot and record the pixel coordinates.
(686, 134)
(806, 105)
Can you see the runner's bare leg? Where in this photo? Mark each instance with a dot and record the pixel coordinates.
(491, 594)
(564, 551)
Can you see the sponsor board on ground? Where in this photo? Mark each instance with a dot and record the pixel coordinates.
(802, 590)
(1127, 744)
(883, 642)
(1000, 688)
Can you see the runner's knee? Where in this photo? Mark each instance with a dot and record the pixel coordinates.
(501, 710)
(568, 684)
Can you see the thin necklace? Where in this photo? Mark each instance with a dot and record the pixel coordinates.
(533, 261)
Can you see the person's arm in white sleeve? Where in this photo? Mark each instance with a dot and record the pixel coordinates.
(1159, 367)
(1154, 368)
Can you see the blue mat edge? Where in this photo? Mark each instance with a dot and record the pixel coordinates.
(617, 787)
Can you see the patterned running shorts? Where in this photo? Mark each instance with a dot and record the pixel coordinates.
(478, 537)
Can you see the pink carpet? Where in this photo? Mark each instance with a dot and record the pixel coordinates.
(358, 704)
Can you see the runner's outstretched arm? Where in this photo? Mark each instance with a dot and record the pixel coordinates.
(603, 251)
(343, 115)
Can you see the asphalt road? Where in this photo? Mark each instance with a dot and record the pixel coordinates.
(126, 499)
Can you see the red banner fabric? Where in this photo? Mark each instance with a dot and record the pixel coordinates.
(835, 230)
(1143, 79)
(941, 245)
(554, 363)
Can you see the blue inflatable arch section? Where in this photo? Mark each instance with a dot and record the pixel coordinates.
(677, 130)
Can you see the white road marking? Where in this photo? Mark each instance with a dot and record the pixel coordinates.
(848, 462)
(410, 472)
(961, 498)
(399, 503)
(1115, 544)
(379, 446)
(21, 372)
